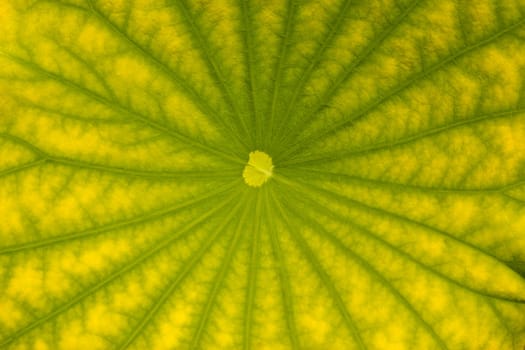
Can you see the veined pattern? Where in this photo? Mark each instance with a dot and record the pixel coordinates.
(136, 212)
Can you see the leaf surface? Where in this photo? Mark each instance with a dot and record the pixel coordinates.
(255, 174)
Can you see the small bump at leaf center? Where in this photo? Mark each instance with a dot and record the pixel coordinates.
(258, 169)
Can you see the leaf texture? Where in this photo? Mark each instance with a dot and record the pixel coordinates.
(262, 174)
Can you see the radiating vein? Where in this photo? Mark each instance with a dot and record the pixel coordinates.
(179, 81)
(342, 177)
(325, 157)
(335, 29)
(253, 268)
(323, 275)
(251, 77)
(291, 7)
(46, 158)
(22, 101)
(369, 235)
(134, 221)
(129, 266)
(324, 233)
(187, 267)
(354, 117)
(174, 134)
(220, 277)
(21, 167)
(314, 191)
(284, 279)
(153, 174)
(351, 69)
(203, 45)
(88, 66)
(24, 143)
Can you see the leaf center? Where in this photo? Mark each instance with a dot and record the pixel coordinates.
(258, 169)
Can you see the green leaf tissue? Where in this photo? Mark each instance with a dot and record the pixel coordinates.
(262, 174)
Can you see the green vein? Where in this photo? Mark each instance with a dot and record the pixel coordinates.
(55, 3)
(514, 199)
(516, 265)
(88, 66)
(320, 158)
(253, 268)
(137, 220)
(501, 320)
(22, 101)
(315, 60)
(158, 246)
(219, 279)
(302, 189)
(21, 167)
(24, 143)
(248, 44)
(351, 69)
(353, 117)
(175, 135)
(323, 275)
(284, 279)
(203, 45)
(181, 275)
(282, 55)
(194, 96)
(461, 12)
(368, 268)
(62, 191)
(153, 174)
(369, 235)
(128, 13)
(314, 172)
